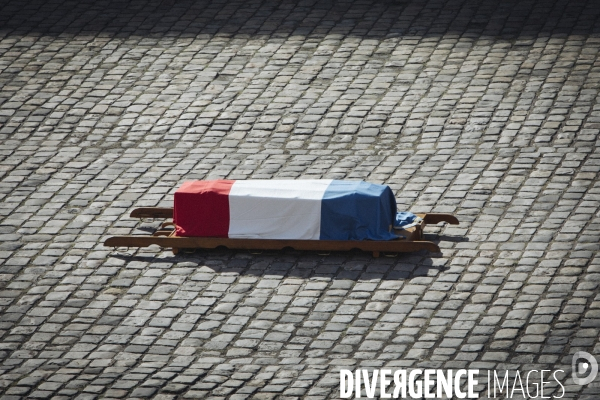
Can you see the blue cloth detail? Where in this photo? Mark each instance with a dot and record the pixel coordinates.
(354, 210)
(404, 218)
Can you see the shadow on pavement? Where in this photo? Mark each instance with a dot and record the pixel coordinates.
(354, 265)
(509, 19)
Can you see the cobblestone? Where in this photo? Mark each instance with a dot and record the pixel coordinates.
(488, 110)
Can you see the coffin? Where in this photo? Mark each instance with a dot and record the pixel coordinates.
(287, 209)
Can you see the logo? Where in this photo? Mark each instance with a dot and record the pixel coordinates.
(584, 364)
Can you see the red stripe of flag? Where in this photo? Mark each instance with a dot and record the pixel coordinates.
(202, 208)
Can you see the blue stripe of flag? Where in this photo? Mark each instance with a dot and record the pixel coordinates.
(357, 211)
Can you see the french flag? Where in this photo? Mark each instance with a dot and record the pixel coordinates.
(285, 209)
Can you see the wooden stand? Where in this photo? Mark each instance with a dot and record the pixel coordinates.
(165, 237)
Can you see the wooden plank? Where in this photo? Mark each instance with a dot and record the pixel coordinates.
(164, 238)
(166, 212)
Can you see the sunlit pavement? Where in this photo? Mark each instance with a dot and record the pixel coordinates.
(486, 109)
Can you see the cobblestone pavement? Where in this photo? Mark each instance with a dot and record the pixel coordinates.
(486, 109)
